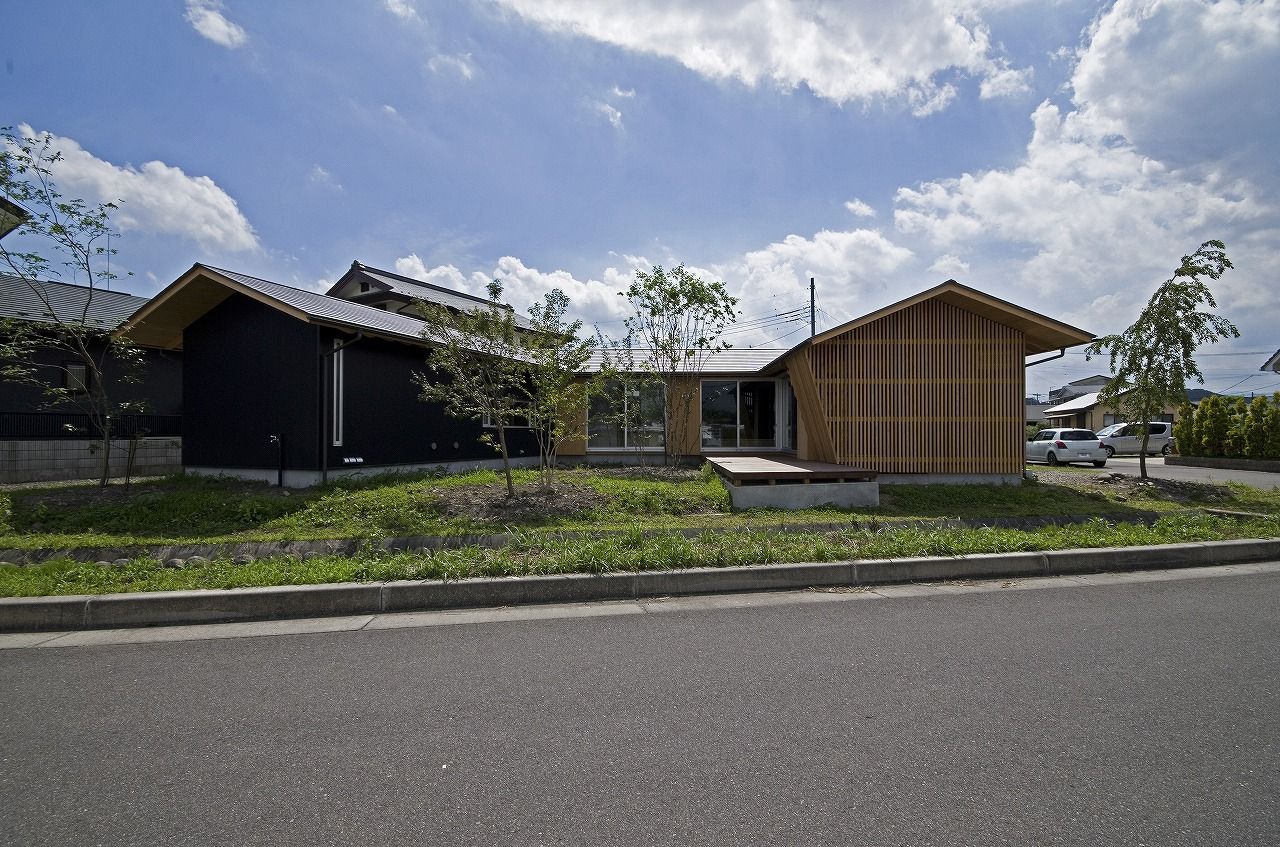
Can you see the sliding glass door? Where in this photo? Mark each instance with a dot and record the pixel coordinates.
(740, 414)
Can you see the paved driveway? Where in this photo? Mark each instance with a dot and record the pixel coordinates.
(1157, 468)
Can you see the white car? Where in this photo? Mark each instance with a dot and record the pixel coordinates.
(1126, 438)
(1064, 446)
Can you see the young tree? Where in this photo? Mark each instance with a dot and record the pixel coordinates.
(1152, 359)
(479, 361)
(557, 395)
(679, 317)
(77, 235)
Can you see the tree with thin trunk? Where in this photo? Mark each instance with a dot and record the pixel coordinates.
(60, 237)
(1152, 359)
(556, 393)
(679, 317)
(477, 368)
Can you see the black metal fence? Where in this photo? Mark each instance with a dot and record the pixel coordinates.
(74, 425)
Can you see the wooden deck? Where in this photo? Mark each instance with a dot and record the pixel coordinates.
(774, 469)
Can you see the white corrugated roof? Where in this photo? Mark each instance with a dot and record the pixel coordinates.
(1079, 404)
(732, 361)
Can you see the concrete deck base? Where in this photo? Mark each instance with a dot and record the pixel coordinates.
(842, 495)
(950, 479)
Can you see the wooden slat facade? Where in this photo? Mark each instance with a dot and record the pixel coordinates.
(930, 388)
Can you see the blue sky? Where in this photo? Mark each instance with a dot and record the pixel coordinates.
(1061, 155)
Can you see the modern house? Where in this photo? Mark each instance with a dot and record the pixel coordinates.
(300, 385)
(1272, 364)
(1078, 388)
(930, 388)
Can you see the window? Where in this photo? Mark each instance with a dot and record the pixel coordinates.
(338, 382)
(621, 418)
(739, 413)
(364, 286)
(1108, 420)
(75, 376)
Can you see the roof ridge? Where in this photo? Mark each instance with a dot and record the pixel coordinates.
(431, 285)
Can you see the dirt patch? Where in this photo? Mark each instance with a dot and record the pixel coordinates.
(1123, 487)
(531, 503)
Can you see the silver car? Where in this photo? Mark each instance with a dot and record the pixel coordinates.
(1126, 438)
(1064, 446)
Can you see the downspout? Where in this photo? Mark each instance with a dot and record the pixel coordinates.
(324, 400)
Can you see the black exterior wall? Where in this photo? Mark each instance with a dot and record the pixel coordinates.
(386, 424)
(251, 371)
(159, 385)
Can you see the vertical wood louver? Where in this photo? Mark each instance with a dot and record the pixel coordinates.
(931, 388)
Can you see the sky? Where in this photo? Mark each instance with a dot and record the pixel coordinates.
(1061, 155)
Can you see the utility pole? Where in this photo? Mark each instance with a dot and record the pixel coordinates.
(813, 312)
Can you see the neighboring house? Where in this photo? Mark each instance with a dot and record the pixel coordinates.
(50, 302)
(929, 388)
(1085, 412)
(1272, 364)
(395, 293)
(1033, 413)
(1078, 388)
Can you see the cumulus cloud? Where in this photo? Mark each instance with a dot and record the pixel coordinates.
(207, 18)
(841, 51)
(157, 198)
(949, 265)
(459, 64)
(859, 208)
(1091, 209)
(622, 92)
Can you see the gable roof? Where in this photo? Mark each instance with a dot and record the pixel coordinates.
(47, 301)
(1041, 332)
(1272, 364)
(415, 289)
(161, 321)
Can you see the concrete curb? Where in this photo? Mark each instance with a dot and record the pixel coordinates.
(111, 611)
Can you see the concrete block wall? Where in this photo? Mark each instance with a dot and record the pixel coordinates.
(75, 458)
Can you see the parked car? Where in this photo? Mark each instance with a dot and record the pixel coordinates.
(1064, 446)
(1126, 438)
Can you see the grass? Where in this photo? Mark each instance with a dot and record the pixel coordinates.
(181, 510)
(633, 551)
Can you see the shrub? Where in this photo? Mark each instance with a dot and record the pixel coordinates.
(1217, 426)
(6, 513)
(1184, 430)
(1255, 429)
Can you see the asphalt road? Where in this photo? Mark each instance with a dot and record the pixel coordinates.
(1157, 468)
(1138, 713)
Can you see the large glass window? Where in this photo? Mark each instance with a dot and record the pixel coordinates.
(627, 417)
(739, 413)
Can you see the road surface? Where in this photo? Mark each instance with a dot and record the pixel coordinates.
(1157, 468)
(1142, 709)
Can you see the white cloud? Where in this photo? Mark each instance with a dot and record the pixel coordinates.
(402, 9)
(1006, 82)
(1162, 148)
(157, 198)
(388, 109)
(460, 64)
(206, 17)
(622, 92)
(859, 208)
(841, 51)
(611, 114)
(321, 177)
(949, 265)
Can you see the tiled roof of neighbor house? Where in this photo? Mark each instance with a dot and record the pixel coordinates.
(331, 309)
(418, 290)
(1090, 379)
(47, 301)
(1078, 404)
(1272, 364)
(732, 361)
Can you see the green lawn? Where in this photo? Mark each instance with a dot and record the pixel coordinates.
(636, 506)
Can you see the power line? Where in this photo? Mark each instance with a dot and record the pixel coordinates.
(774, 340)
